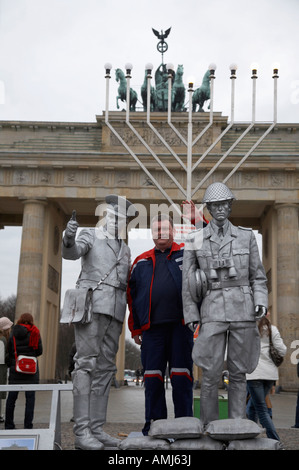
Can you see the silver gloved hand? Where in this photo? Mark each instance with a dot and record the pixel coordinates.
(192, 326)
(71, 230)
(260, 311)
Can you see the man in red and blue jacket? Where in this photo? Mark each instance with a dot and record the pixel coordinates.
(156, 323)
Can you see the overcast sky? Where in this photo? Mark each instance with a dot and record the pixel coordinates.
(53, 53)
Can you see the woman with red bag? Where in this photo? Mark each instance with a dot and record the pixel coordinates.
(25, 340)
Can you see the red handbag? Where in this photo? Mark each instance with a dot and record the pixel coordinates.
(25, 364)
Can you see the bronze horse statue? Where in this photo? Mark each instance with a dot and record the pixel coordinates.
(178, 90)
(201, 94)
(122, 90)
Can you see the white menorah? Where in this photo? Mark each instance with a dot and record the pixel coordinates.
(188, 193)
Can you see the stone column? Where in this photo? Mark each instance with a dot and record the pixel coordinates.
(31, 259)
(288, 286)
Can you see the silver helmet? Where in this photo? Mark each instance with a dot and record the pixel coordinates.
(217, 192)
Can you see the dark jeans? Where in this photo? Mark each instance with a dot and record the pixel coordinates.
(10, 408)
(167, 344)
(258, 390)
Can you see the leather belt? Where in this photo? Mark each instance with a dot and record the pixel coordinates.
(229, 283)
(116, 284)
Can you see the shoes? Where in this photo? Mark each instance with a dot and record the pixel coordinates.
(105, 439)
(86, 441)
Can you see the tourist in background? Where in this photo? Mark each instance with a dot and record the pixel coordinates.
(5, 327)
(261, 380)
(28, 342)
(296, 425)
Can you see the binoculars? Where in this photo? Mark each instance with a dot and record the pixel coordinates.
(216, 264)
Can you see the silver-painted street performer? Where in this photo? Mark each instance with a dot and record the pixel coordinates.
(225, 292)
(105, 264)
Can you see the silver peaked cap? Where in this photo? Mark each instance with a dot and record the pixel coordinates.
(217, 192)
(120, 206)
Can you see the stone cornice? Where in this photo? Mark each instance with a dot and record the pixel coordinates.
(52, 125)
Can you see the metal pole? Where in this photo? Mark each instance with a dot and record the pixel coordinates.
(275, 77)
(148, 97)
(189, 147)
(233, 77)
(108, 67)
(254, 78)
(128, 76)
(169, 94)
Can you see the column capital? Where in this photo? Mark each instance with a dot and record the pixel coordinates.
(282, 205)
(37, 200)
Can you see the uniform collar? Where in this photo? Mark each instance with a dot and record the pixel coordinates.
(231, 231)
(215, 227)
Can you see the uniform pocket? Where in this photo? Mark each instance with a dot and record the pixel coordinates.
(203, 257)
(249, 302)
(241, 255)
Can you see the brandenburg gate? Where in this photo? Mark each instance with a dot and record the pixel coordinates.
(149, 155)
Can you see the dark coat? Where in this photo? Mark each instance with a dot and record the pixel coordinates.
(22, 336)
(141, 282)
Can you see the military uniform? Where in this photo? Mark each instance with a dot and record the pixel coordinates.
(102, 257)
(233, 282)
